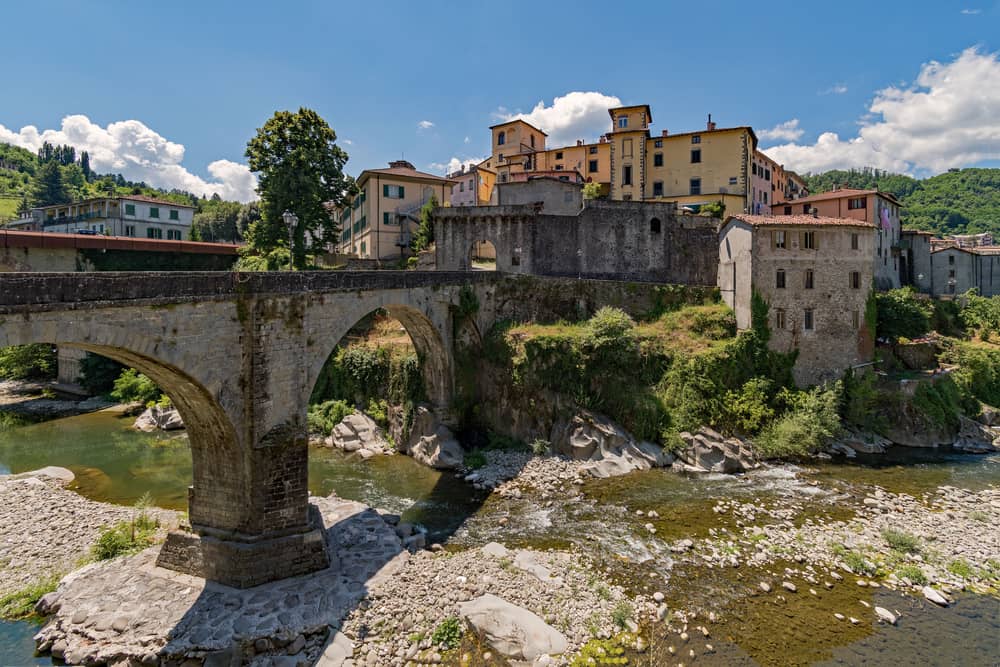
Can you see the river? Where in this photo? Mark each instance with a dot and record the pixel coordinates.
(114, 463)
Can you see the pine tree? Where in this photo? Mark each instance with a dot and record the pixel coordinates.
(48, 187)
(85, 164)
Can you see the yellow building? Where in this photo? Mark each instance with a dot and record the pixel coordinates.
(379, 221)
(629, 131)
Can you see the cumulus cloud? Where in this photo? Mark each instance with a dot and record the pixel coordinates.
(467, 140)
(425, 125)
(139, 153)
(949, 117)
(787, 131)
(575, 115)
(836, 89)
(972, 12)
(454, 164)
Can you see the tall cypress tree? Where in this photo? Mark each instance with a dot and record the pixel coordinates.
(48, 187)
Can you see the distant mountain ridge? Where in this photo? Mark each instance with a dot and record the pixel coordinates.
(962, 201)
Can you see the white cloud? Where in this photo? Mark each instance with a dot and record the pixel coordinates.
(137, 152)
(575, 115)
(787, 131)
(348, 142)
(425, 125)
(467, 140)
(454, 164)
(836, 89)
(972, 12)
(949, 117)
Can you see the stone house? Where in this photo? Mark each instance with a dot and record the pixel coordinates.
(954, 270)
(815, 273)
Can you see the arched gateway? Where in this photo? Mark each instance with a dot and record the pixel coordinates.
(238, 354)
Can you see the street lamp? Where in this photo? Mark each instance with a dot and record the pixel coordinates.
(291, 220)
(579, 263)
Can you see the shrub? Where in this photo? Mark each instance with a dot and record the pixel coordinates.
(813, 418)
(862, 402)
(28, 362)
(622, 614)
(540, 446)
(913, 573)
(378, 410)
(127, 537)
(134, 387)
(21, 603)
(324, 416)
(591, 190)
(939, 402)
(856, 561)
(475, 459)
(902, 313)
(98, 374)
(901, 541)
(749, 409)
(448, 633)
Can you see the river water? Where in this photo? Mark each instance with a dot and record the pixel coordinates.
(114, 463)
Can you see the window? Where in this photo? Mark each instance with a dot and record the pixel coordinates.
(500, 158)
(559, 167)
(779, 279)
(779, 240)
(503, 177)
(788, 210)
(129, 230)
(174, 234)
(658, 143)
(809, 240)
(154, 212)
(753, 168)
(626, 148)
(810, 279)
(779, 318)
(592, 150)
(733, 180)
(531, 140)
(855, 280)
(657, 188)
(855, 320)
(856, 203)
(627, 175)
(592, 166)
(154, 233)
(388, 219)
(951, 259)
(129, 209)
(174, 214)
(767, 174)
(696, 139)
(470, 184)
(564, 179)
(657, 159)
(951, 273)
(364, 248)
(559, 154)
(807, 319)
(393, 191)
(695, 155)
(461, 186)
(696, 186)
(502, 138)
(622, 122)
(805, 208)
(654, 226)
(854, 241)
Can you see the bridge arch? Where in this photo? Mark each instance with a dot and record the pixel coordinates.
(217, 496)
(426, 334)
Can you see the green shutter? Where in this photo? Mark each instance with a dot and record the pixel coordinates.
(385, 219)
(401, 195)
(385, 190)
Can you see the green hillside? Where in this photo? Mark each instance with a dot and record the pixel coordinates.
(963, 201)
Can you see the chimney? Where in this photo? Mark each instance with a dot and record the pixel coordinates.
(579, 142)
(710, 126)
(665, 133)
(814, 211)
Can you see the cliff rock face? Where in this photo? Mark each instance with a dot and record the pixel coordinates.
(709, 451)
(608, 448)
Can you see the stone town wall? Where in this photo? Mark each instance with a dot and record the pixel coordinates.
(632, 241)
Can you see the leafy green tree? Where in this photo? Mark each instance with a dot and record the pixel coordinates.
(424, 236)
(591, 190)
(217, 221)
(902, 313)
(715, 209)
(48, 187)
(301, 169)
(28, 362)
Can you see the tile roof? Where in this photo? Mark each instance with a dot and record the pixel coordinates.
(408, 173)
(154, 200)
(767, 220)
(841, 193)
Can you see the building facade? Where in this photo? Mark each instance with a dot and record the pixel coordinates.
(379, 221)
(879, 208)
(815, 274)
(135, 216)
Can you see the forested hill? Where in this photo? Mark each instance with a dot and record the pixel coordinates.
(956, 202)
(60, 175)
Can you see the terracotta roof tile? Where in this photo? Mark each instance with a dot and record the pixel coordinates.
(410, 173)
(821, 221)
(154, 200)
(840, 194)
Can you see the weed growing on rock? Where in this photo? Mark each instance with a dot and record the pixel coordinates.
(448, 633)
(600, 652)
(21, 604)
(913, 573)
(900, 540)
(961, 568)
(622, 614)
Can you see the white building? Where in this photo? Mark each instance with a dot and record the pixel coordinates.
(132, 215)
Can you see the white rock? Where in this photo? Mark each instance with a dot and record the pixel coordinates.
(885, 615)
(934, 596)
(496, 550)
(515, 632)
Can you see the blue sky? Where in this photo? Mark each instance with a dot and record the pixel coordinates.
(164, 90)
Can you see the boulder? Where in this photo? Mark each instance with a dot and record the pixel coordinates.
(989, 416)
(516, 633)
(973, 437)
(709, 451)
(358, 432)
(860, 442)
(440, 450)
(608, 449)
(158, 417)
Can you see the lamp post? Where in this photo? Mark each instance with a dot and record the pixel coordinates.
(579, 263)
(517, 258)
(291, 220)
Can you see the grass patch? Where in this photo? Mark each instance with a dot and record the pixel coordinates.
(21, 604)
(622, 614)
(900, 540)
(981, 517)
(913, 573)
(127, 537)
(856, 561)
(961, 568)
(448, 633)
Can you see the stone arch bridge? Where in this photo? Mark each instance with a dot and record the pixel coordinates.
(239, 354)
